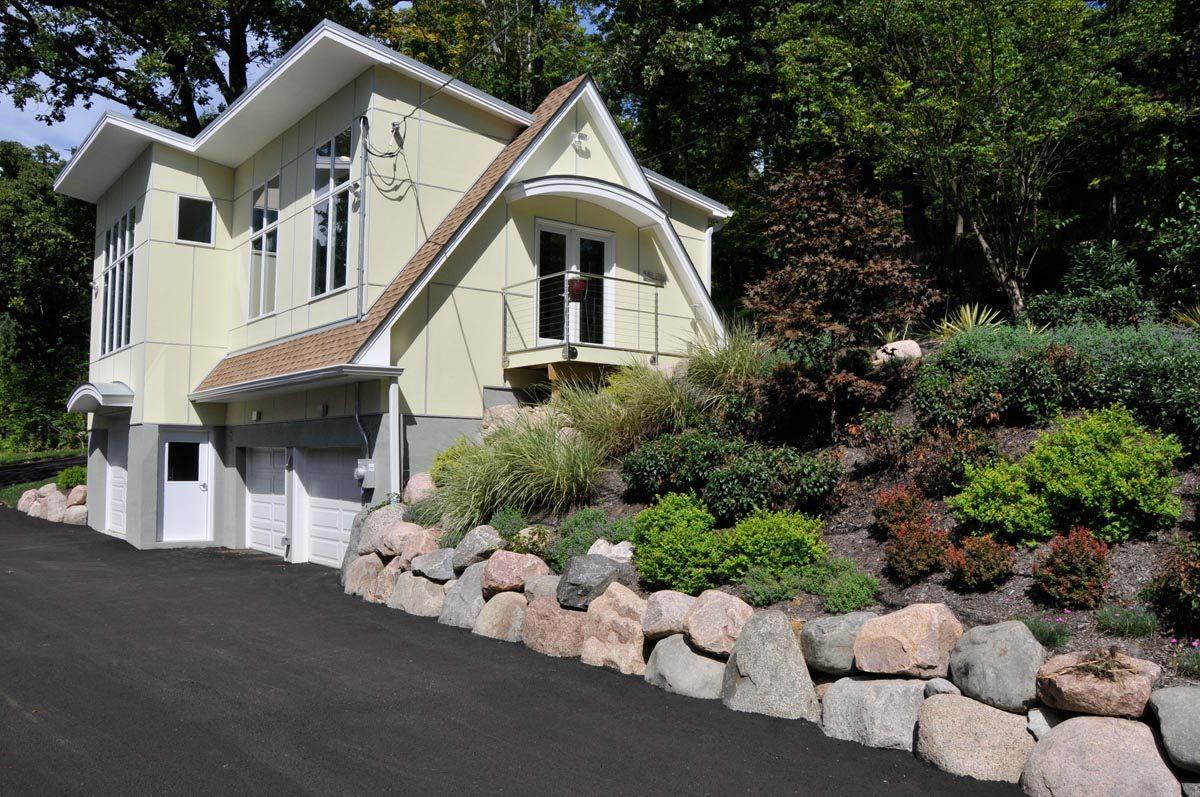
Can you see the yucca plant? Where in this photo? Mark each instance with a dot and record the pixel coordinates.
(1189, 316)
(966, 318)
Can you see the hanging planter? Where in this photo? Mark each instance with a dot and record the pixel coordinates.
(577, 288)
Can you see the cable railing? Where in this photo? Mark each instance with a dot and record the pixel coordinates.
(570, 310)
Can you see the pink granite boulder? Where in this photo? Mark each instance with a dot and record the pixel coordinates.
(916, 641)
(715, 620)
(506, 571)
(361, 574)
(1076, 682)
(1098, 757)
(552, 630)
(612, 631)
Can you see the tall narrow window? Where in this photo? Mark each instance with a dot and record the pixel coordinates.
(331, 213)
(264, 247)
(116, 285)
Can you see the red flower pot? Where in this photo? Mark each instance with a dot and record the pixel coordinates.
(577, 288)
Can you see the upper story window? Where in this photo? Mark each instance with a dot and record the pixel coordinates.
(195, 220)
(116, 284)
(264, 246)
(331, 213)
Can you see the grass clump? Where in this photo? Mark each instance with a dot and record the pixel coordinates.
(1188, 664)
(1126, 622)
(762, 588)
(1050, 634)
(718, 370)
(445, 460)
(844, 587)
(637, 403)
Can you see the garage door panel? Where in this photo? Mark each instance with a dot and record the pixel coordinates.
(334, 498)
(266, 500)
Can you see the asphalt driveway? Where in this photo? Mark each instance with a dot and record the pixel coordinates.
(221, 672)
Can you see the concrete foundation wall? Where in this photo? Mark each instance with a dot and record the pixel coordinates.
(426, 435)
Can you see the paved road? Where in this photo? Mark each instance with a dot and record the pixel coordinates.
(217, 672)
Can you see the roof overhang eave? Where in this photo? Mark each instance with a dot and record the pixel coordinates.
(325, 376)
(101, 397)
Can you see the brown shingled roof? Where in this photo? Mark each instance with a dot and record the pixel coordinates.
(339, 344)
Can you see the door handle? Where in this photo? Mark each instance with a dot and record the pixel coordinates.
(204, 486)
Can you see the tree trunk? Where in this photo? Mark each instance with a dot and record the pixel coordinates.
(1002, 274)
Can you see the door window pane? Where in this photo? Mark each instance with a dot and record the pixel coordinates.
(552, 260)
(183, 462)
(591, 309)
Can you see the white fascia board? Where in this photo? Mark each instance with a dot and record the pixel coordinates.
(626, 162)
(282, 383)
(679, 191)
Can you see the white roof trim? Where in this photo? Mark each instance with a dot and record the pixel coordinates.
(646, 213)
(283, 383)
(680, 191)
(211, 139)
(100, 396)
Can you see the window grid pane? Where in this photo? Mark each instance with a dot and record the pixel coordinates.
(340, 237)
(320, 247)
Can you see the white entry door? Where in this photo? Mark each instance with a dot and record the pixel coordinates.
(334, 497)
(266, 499)
(185, 487)
(117, 455)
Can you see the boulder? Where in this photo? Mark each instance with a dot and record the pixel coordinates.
(56, 506)
(26, 501)
(715, 620)
(552, 630)
(998, 665)
(75, 516)
(375, 524)
(396, 538)
(1190, 784)
(1178, 712)
(828, 643)
(666, 611)
(940, 686)
(897, 350)
(506, 571)
(1098, 757)
(541, 587)
(416, 595)
(675, 667)
(586, 577)
(500, 416)
(361, 574)
(876, 713)
(77, 496)
(478, 544)
(612, 631)
(766, 673)
(502, 617)
(48, 489)
(436, 565)
(916, 641)
(1040, 720)
(38, 510)
(965, 737)
(1069, 682)
(381, 587)
(351, 553)
(419, 488)
(464, 598)
(620, 552)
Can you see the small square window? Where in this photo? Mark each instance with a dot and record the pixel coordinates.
(195, 220)
(183, 462)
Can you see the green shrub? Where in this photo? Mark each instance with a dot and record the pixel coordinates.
(1175, 590)
(886, 443)
(776, 542)
(844, 587)
(71, 477)
(1101, 286)
(997, 500)
(445, 460)
(1126, 621)
(1050, 634)
(531, 539)
(508, 522)
(980, 563)
(1074, 572)
(900, 505)
(916, 550)
(676, 463)
(770, 478)
(529, 466)
(761, 588)
(620, 530)
(675, 546)
(577, 534)
(938, 462)
(1188, 664)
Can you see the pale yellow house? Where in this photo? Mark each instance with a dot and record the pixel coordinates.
(298, 307)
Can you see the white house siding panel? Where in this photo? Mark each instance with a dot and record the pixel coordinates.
(266, 499)
(334, 498)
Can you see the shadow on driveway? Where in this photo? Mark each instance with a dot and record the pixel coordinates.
(227, 672)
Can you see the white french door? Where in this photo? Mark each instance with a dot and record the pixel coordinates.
(563, 256)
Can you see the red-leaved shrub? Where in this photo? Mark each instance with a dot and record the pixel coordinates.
(916, 549)
(902, 505)
(1074, 572)
(980, 563)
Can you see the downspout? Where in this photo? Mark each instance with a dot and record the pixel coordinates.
(395, 429)
(361, 431)
(365, 130)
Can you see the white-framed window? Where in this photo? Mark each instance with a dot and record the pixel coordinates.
(116, 284)
(562, 254)
(331, 212)
(195, 218)
(264, 247)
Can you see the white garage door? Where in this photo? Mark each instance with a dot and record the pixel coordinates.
(266, 499)
(118, 475)
(334, 498)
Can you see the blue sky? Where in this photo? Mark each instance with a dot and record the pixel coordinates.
(21, 125)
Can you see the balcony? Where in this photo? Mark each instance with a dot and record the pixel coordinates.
(571, 317)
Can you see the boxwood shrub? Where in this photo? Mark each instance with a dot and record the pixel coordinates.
(675, 546)
(776, 542)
